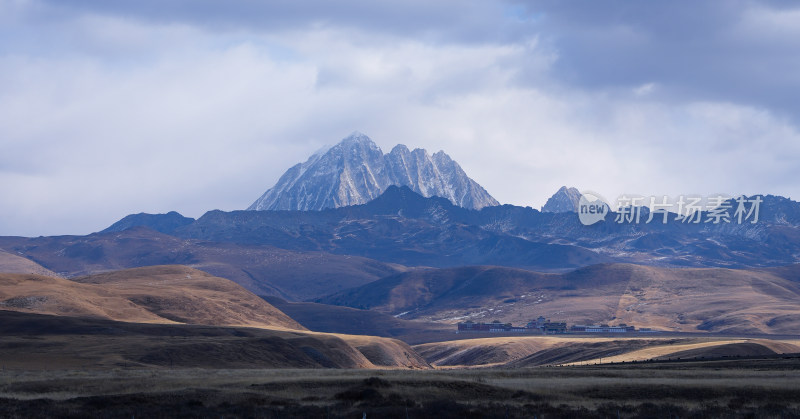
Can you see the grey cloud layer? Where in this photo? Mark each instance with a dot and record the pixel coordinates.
(741, 51)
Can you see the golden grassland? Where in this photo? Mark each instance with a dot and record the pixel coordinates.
(11, 263)
(155, 294)
(735, 301)
(556, 350)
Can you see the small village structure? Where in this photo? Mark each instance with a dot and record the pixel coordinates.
(542, 326)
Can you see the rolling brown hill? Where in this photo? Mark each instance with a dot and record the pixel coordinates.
(129, 309)
(11, 263)
(676, 299)
(264, 270)
(531, 351)
(156, 294)
(35, 342)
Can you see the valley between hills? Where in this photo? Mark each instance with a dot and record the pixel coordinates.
(121, 318)
(175, 341)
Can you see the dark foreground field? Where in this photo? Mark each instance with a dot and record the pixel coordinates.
(763, 388)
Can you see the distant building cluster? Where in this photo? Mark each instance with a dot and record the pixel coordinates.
(544, 326)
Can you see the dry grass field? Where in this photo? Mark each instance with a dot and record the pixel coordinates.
(155, 294)
(767, 388)
(11, 263)
(168, 316)
(44, 342)
(565, 350)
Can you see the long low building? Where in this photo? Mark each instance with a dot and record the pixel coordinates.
(603, 328)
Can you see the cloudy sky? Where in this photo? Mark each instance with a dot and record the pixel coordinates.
(110, 108)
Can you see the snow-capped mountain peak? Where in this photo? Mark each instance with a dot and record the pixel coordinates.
(355, 171)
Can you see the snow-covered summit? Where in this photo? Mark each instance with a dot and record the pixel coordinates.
(355, 171)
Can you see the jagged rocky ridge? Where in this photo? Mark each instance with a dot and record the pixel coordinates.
(356, 171)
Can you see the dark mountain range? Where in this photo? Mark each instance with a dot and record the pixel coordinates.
(400, 226)
(403, 227)
(356, 171)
